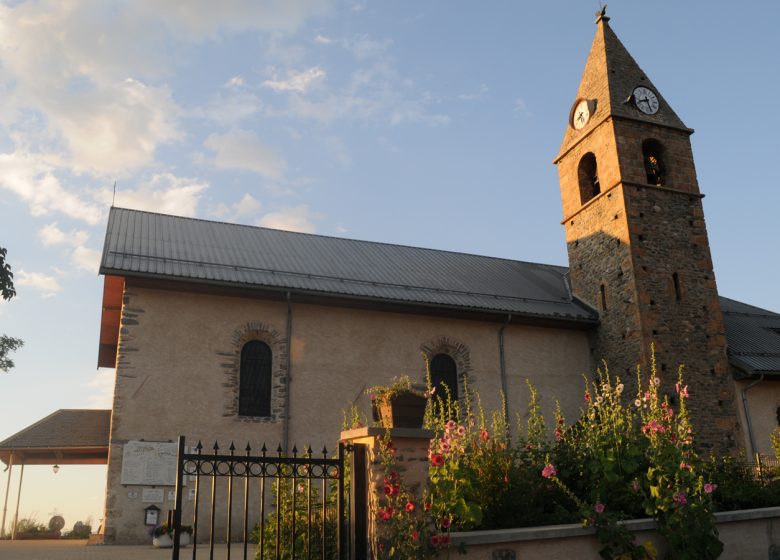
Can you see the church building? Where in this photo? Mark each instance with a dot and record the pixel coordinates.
(220, 331)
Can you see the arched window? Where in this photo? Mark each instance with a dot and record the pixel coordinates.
(655, 167)
(588, 174)
(444, 372)
(254, 385)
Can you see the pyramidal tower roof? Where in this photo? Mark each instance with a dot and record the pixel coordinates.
(610, 76)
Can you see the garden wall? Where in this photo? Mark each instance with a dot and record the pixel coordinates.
(753, 533)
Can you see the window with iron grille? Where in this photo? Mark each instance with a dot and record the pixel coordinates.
(444, 372)
(254, 386)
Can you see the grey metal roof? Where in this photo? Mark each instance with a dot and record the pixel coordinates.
(753, 336)
(171, 247)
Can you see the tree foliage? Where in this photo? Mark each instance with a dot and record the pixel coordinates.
(8, 344)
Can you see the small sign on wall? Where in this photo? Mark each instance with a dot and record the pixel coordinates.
(152, 495)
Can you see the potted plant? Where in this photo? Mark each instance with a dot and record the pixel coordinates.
(400, 404)
(162, 536)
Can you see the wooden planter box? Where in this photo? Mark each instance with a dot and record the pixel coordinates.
(402, 411)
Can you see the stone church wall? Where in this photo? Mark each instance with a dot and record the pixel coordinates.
(177, 374)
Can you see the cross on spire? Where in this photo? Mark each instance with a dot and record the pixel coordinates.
(601, 15)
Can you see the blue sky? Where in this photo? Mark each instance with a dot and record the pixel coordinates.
(424, 123)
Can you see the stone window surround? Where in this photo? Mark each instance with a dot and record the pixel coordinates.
(455, 350)
(256, 330)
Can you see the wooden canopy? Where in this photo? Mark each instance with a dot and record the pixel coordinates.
(65, 437)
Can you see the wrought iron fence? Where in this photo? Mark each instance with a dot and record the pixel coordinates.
(300, 514)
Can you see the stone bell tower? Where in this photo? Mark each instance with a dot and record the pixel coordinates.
(637, 242)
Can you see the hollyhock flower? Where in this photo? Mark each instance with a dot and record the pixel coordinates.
(445, 522)
(684, 392)
(415, 536)
(484, 435)
(427, 506)
(619, 388)
(461, 431)
(450, 425)
(637, 403)
(635, 485)
(437, 459)
(549, 470)
(445, 446)
(409, 506)
(434, 540)
(444, 539)
(599, 508)
(388, 489)
(587, 396)
(680, 498)
(710, 488)
(558, 434)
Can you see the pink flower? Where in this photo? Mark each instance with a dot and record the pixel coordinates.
(710, 488)
(437, 459)
(587, 396)
(388, 489)
(445, 446)
(461, 431)
(680, 498)
(409, 506)
(635, 485)
(445, 522)
(484, 435)
(599, 508)
(558, 434)
(449, 425)
(549, 470)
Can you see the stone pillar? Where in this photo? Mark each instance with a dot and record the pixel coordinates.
(411, 456)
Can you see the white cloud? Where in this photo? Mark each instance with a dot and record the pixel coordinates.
(247, 206)
(241, 149)
(480, 93)
(202, 19)
(37, 281)
(51, 234)
(323, 40)
(164, 193)
(298, 218)
(100, 390)
(363, 47)
(235, 81)
(32, 179)
(230, 109)
(85, 258)
(299, 82)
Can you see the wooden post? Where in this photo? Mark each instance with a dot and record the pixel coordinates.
(18, 498)
(7, 490)
(358, 502)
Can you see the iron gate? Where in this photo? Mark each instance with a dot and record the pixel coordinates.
(301, 515)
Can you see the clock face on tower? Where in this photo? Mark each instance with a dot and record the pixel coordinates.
(645, 100)
(580, 114)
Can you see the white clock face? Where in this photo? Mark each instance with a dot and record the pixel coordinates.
(581, 115)
(645, 100)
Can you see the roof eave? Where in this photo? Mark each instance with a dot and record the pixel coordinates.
(344, 299)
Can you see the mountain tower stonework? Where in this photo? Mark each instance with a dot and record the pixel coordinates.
(636, 237)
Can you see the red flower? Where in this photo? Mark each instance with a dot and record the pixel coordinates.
(415, 536)
(587, 396)
(444, 539)
(388, 489)
(437, 459)
(409, 506)
(427, 506)
(445, 522)
(435, 540)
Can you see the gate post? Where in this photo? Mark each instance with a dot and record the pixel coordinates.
(177, 503)
(412, 456)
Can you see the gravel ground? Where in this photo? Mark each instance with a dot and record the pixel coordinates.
(78, 550)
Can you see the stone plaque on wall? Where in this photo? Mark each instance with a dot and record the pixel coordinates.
(149, 463)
